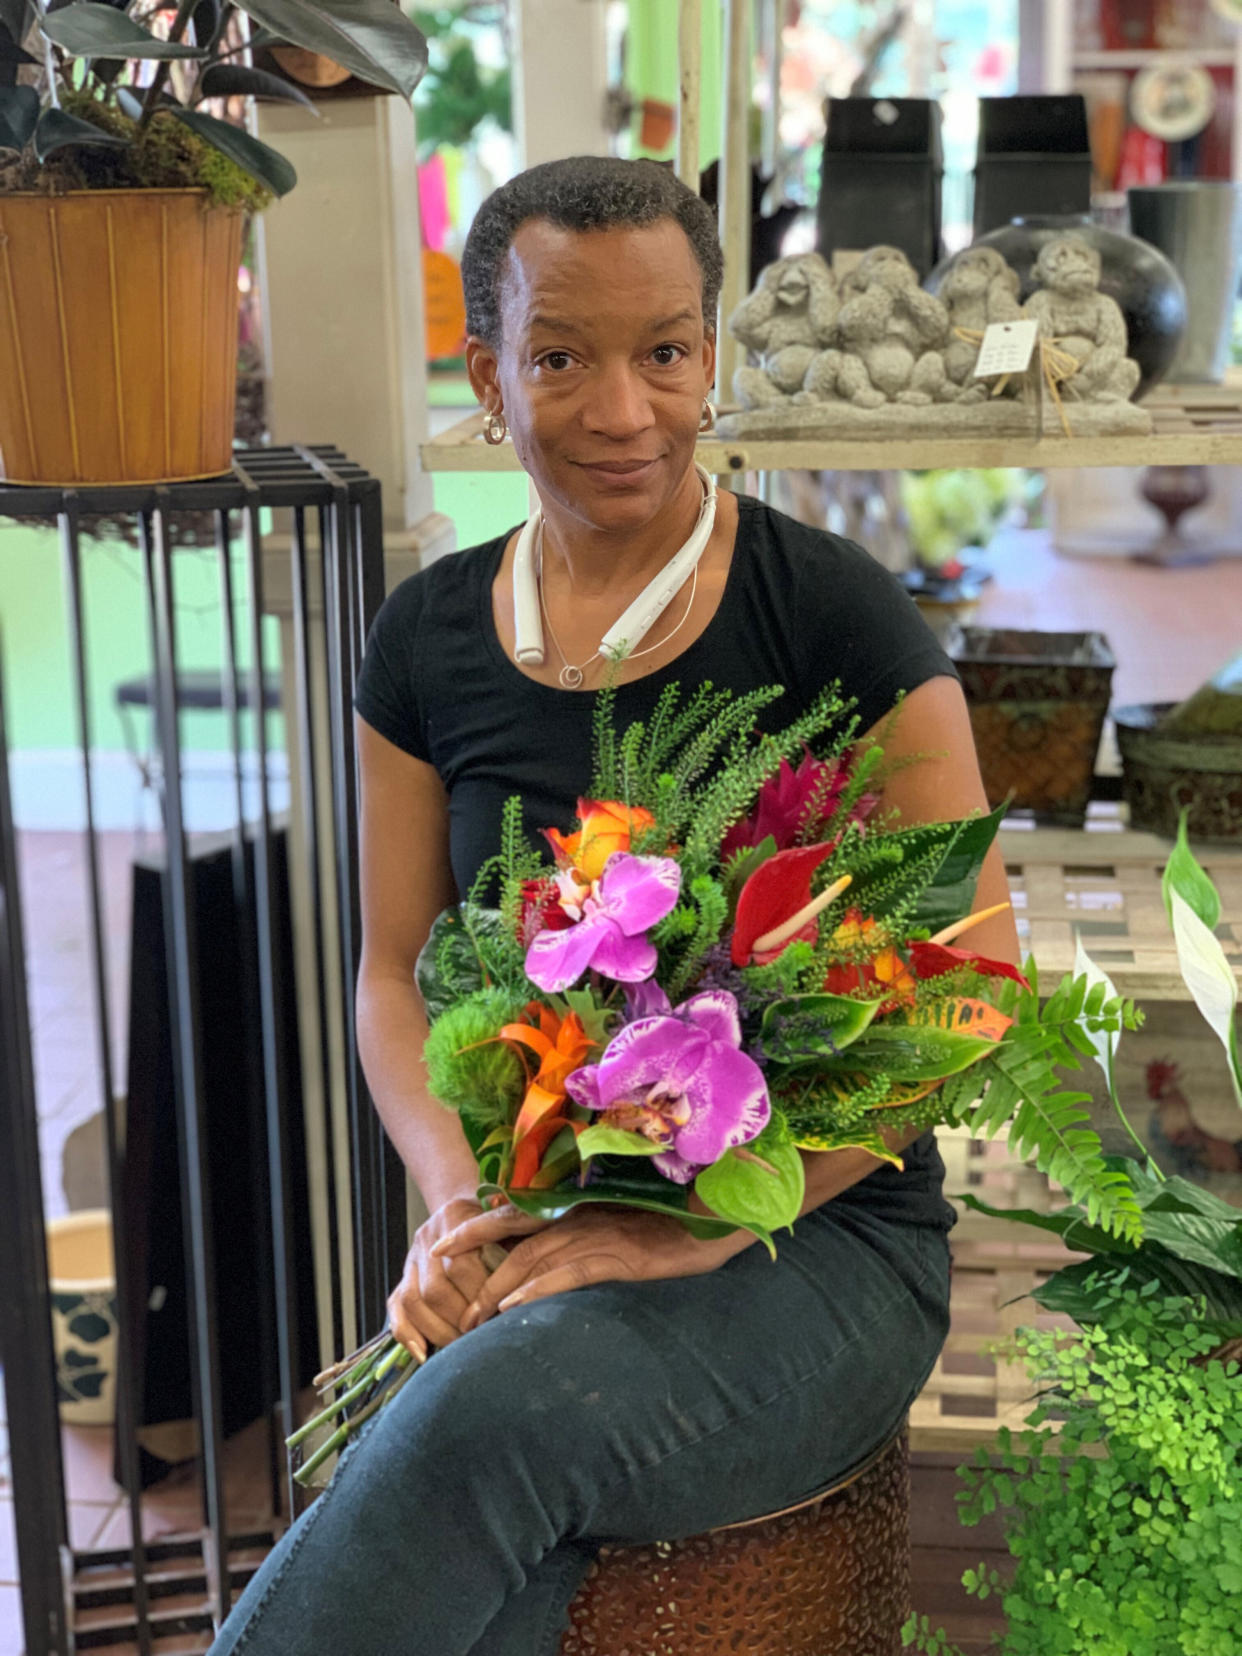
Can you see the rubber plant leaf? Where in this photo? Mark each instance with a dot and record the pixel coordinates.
(19, 115)
(1210, 978)
(258, 159)
(89, 30)
(235, 80)
(370, 37)
(58, 130)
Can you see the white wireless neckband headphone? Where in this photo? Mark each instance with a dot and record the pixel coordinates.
(632, 627)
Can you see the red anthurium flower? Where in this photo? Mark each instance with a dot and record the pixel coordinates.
(794, 801)
(774, 893)
(934, 959)
(541, 910)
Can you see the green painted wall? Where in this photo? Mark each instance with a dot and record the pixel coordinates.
(34, 633)
(651, 69)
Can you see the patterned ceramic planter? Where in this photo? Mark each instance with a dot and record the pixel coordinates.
(82, 1287)
(1162, 773)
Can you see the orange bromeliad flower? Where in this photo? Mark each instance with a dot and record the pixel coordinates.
(559, 1046)
(604, 826)
(885, 968)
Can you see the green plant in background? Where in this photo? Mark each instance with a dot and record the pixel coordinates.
(458, 93)
(1126, 1528)
(948, 510)
(119, 104)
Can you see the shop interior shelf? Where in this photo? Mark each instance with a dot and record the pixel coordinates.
(1194, 425)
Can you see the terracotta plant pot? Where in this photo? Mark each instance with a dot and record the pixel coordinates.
(118, 336)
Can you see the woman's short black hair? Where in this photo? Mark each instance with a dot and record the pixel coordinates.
(582, 192)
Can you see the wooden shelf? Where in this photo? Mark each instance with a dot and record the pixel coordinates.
(1194, 426)
(1104, 885)
(1214, 57)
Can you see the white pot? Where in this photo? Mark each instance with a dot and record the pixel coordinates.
(82, 1290)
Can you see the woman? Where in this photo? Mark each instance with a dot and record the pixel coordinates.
(615, 1379)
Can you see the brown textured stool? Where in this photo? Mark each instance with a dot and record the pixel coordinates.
(828, 1577)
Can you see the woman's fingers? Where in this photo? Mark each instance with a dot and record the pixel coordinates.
(559, 1279)
(403, 1328)
(535, 1259)
(497, 1226)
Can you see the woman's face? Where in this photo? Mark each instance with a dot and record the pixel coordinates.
(603, 367)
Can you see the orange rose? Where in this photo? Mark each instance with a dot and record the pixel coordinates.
(604, 827)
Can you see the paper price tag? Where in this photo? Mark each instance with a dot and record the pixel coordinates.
(1006, 348)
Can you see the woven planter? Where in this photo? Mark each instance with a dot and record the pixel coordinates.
(1163, 772)
(1037, 706)
(118, 336)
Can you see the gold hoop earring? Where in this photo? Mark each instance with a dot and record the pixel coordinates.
(707, 420)
(495, 428)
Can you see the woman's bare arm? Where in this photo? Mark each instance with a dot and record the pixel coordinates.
(406, 881)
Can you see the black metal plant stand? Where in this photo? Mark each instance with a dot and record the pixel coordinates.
(337, 578)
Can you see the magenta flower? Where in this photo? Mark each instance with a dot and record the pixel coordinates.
(681, 1081)
(796, 800)
(631, 895)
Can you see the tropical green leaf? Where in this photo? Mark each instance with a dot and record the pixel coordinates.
(809, 1028)
(952, 891)
(231, 80)
(602, 1140)
(614, 1191)
(10, 51)
(19, 115)
(370, 37)
(761, 1185)
(1069, 1223)
(258, 159)
(58, 130)
(1184, 874)
(89, 30)
(448, 967)
(846, 1138)
(1080, 1290)
(1103, 1042)
(913, 1052)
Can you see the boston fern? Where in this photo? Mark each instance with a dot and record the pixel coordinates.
(87, 93)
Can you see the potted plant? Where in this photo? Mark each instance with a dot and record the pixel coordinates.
(946, 512)
(122, 201)
(1124, 1518)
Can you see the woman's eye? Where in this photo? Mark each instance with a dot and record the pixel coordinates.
(557, 361)
(668, 355)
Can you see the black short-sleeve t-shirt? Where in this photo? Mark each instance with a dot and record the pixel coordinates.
(801, 608)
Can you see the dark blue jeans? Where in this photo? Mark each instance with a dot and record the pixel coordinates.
(467, 1513)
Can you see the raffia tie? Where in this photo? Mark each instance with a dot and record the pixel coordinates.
(1056, 366)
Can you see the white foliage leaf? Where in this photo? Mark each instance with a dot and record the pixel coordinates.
(1209, 977)
(1104, 1041)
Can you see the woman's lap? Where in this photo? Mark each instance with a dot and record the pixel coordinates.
(627, 1412)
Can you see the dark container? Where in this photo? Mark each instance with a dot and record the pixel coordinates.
(882, 169)
(1133, 272)
(1162, 772)
(1038, 701)
(1034, 156)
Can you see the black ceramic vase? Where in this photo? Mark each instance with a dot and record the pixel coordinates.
(1138, 276)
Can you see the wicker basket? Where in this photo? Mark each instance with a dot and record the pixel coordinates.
(830, 1575)
(1162, 773)
(1038, 701)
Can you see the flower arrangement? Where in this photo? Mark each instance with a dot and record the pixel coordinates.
(734, 956)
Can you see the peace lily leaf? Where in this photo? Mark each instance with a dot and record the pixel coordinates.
(1105, 1041)
(1183, 874)
(228, 80)
(766, 1191)
(1069, 1223)
(371, 37)
(56, 130)
(19, 115)
(1210, 979)
(89, 30)
(258, 159)
(611, 1141)
(809, 1028)
(1078, 1290)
